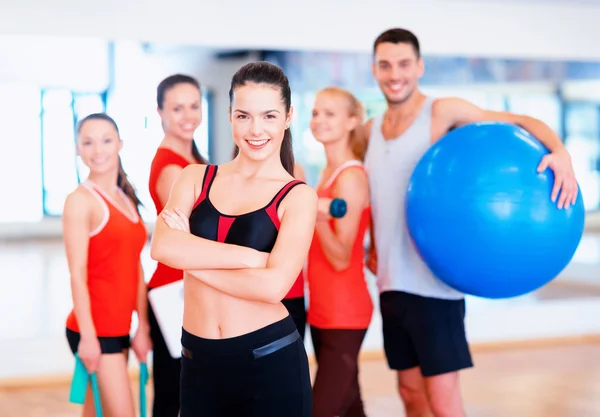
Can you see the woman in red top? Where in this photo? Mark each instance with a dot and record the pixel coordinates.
(340, 307)
(179, 106)
(104, 236)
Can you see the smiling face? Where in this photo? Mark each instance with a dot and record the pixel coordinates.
(98, 145)
(332, 117)
(397, 69)
(258, 119)
(181, 111)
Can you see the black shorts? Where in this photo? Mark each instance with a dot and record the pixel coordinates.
(424, 332)
(107, 344)
(297, 309)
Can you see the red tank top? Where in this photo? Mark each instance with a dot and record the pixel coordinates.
(163, 274)
(339, 299)
(113, 267)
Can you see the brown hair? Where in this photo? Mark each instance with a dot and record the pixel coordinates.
(262, 72)
(396, 36)
(162, 89)
(122, 181)
(357, 140)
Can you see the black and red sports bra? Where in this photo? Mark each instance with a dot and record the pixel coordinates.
(257, 229)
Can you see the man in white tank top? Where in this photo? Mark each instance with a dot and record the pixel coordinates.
(423, 319)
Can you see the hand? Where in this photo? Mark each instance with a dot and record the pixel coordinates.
(564, 177)
(371, 261)
(176, 220)
(323, 213)
(141, 344)
(89, 352)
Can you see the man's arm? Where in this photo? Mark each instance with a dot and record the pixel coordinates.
(456, 112)
(449, 113)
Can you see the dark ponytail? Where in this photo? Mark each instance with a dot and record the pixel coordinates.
(122, 181)
(263, 72)
(163, 87)
(287, 152)
(127, 188)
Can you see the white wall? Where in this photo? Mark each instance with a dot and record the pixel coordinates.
(526, 29)
(54, 62)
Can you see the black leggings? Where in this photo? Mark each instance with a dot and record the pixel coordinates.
(297, 310)
(260, 374)
(336, 389)
(165, 373)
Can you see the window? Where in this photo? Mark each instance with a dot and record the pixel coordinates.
(544, 107)
(20, 160)
(486, 99)
(583, 143)
(202, 134)
(58, 147)
(307, 151)
(84, 105)
(62, 168)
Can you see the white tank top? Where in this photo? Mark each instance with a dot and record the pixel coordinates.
(389, 165)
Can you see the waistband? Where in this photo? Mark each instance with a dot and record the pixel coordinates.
(259, 343)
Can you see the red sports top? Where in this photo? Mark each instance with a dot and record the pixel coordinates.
(113, 272)
(339, 299)
(164, 157)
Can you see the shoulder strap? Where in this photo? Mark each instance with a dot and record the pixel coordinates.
(209, 177)
(283, 192)
(428, 107)
(376, 126)
(348, 164)
(271, 209)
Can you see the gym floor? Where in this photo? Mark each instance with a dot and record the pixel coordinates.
(534, 355)
(552, 381)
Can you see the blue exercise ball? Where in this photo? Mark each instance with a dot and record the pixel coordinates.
(481, 217)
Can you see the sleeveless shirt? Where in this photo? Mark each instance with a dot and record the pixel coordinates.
(164, 157)
(390, 164)
(339, 299)
(257, 229)
(113, 273)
